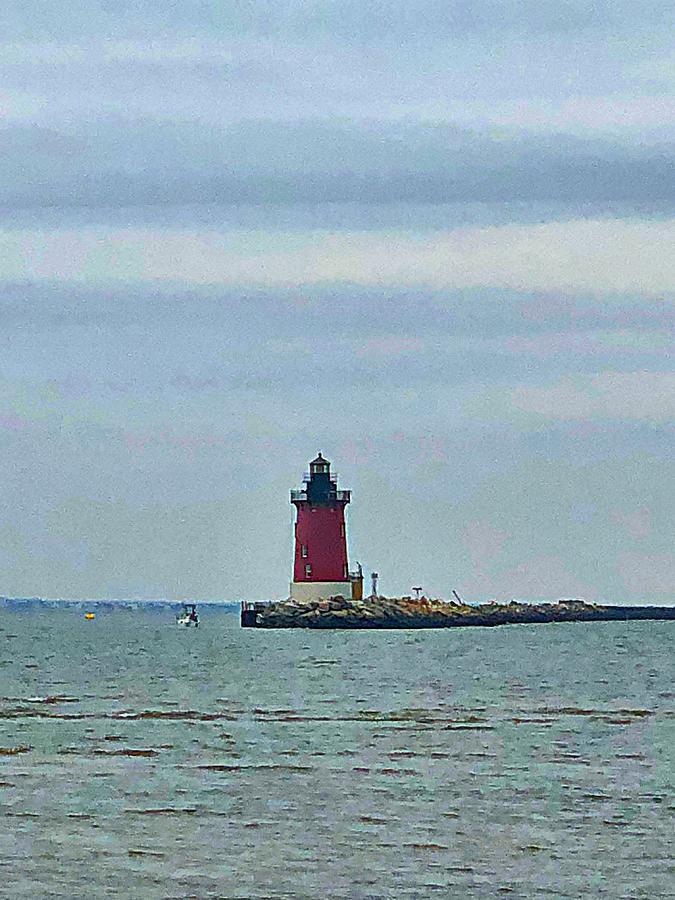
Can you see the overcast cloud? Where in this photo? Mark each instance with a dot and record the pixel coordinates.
(434, 239)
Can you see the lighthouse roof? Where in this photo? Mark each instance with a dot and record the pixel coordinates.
(319, 459)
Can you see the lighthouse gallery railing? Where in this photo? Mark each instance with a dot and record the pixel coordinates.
(334, 495)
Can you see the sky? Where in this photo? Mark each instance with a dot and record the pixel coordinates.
(432, 239)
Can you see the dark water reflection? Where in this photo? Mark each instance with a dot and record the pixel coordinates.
(138, 759)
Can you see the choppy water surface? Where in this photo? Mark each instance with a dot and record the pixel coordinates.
(143, 760)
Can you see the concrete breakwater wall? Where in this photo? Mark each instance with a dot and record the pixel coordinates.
(405, 612)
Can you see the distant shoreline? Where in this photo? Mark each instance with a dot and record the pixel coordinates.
(404, 612)
(122, 604)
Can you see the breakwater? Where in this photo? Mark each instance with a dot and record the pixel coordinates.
(406, 612)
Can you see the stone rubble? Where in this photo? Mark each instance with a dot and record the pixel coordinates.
(407, 612)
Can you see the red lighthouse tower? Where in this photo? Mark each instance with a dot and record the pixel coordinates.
(321, 567)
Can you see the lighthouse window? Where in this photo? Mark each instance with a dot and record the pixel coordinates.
(303, 551)
(308, 571)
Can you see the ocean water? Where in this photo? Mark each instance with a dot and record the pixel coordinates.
(138, 759)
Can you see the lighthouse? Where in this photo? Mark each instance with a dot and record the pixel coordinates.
(321, 567)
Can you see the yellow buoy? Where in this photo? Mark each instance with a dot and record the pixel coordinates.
(90, 615)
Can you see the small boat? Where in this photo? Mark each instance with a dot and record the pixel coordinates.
(188, 615)
(90, 615)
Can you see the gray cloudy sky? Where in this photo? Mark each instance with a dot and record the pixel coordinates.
(433, 239)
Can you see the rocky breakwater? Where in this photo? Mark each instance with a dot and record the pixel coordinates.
(406, 612)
